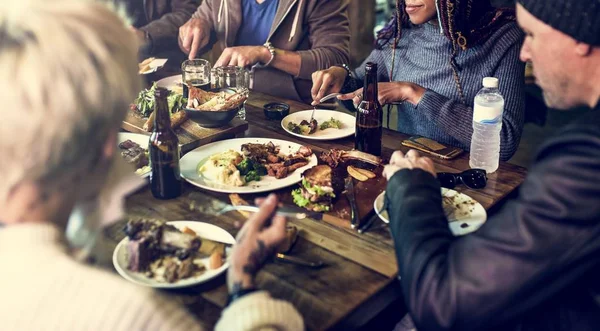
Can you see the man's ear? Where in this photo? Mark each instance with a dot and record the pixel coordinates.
(583, 49)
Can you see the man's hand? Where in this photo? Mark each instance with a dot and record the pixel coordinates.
(412, 160)
(327, 81)
(390, 92)
(256, 242)
(192, 36)
(243, 56)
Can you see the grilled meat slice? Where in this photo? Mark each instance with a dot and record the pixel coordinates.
(133, 154)
(334, 157)
(259, 152)
(291, 159)
(273, 158)
(304, 151)
(295, 166)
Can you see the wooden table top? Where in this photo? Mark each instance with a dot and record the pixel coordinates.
(358, 282)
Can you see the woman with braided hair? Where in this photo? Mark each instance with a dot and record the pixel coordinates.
(432, 57)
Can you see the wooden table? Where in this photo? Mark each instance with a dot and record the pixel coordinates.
(359, 281)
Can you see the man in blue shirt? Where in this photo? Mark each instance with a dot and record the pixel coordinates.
(285, 41)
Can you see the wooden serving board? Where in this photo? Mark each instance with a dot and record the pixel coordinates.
(190, 133)
(365, 194)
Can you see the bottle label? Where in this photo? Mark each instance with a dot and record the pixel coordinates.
(486, 114)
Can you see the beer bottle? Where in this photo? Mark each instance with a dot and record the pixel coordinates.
(369, 115)
(165, 179)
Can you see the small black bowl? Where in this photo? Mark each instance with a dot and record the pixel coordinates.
(213, 118)
(276, 110)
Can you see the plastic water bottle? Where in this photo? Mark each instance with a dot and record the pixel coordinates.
(487, 123)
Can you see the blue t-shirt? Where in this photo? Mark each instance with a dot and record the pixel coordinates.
(256, 22)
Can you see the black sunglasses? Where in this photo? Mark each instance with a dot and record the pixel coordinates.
(472, 178)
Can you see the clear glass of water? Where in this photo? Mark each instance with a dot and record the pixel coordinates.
(196, 73)
(236, 78)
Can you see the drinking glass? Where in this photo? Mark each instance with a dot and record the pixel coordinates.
(196, 73)
(236, 78)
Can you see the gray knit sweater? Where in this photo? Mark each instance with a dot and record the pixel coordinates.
(423, 58)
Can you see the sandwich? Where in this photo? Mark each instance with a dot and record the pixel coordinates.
(319, 187)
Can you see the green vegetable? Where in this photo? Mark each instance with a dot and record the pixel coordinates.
(245, 166)
(251, 170)
(299, 129)
(145, 101)
(299, 199)
(252, 175)
(317, 189)
(332, 123)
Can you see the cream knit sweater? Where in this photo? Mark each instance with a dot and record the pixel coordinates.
(42, 288)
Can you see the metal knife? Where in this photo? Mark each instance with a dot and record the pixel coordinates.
(349, 191)
(291, 211)
(298, 261)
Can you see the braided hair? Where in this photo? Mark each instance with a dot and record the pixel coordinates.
(466, 23)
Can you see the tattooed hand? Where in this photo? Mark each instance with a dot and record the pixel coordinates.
(256, 242)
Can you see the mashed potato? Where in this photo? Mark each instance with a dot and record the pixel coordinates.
(221, 168)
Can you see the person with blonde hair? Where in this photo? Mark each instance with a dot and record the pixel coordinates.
(69, 72)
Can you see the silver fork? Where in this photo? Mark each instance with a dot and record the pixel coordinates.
(284, 211)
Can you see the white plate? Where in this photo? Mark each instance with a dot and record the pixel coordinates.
(203, 230)
(138, 138)
(469, 212)
(194, 159)
(322, 115)
(170, 83)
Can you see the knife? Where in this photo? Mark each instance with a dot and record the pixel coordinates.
(290, 211)
(298, 261)
(349, 191)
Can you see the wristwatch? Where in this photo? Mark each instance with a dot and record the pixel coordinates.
(349, 82)
(271, 50)
(238, 294)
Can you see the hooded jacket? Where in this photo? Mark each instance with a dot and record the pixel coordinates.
(318, 30)
(161, 20)
(534, 265)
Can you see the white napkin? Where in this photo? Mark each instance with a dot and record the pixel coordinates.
(154, 66)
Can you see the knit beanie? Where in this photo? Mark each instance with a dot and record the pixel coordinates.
(579, 19)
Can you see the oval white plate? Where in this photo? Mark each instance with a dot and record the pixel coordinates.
(138, 138)
(322, 115)
(203, 230)
(170, 83)
(193, 160)
(470, 212)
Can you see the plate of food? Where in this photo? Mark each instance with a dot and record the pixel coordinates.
(464, 214)
(173, 254)
(144, 106)
(246, 165)
(326, 125)
(216, 107)
(133, 147)
(171, 83)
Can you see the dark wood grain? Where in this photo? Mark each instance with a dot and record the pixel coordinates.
(359, 279)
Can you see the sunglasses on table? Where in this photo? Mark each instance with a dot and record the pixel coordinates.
(472, 178)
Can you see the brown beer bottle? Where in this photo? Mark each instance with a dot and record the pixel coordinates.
(369, 117)
(165, 179)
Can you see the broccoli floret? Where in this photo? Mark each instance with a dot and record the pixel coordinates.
(245, 166)
(252, 175)
(299, 129)
(260, 169)
(332, 123)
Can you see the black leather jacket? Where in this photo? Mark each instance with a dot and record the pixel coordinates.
(534, 265)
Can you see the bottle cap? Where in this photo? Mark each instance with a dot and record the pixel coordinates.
(490, 82)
